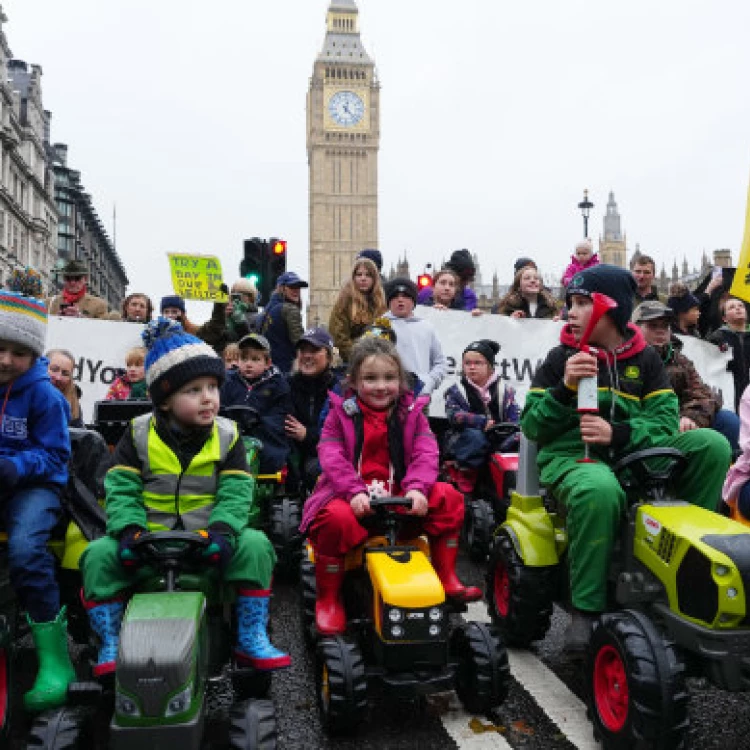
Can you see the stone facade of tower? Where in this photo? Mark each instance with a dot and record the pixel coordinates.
(343, 140)
(612, 246)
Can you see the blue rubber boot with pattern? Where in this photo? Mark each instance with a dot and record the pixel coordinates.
(253, 645)
(105, 619)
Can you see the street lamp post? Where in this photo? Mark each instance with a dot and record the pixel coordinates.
(585, 205)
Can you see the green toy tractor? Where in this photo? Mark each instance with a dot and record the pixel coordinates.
(176, 634)
(679, 583)
(399, 631)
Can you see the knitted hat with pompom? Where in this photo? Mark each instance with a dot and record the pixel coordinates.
(174, 358)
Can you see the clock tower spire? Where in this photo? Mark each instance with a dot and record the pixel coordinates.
(343, 140)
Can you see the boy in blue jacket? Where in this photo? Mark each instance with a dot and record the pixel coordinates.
(34, 454)
(259, 384)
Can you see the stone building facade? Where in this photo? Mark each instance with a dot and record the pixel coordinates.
(28, 217)
(343, 141)
(612, 244)
(81, 234)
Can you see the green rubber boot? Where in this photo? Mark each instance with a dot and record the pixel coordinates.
(55, 669)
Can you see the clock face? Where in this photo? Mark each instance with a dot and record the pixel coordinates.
(346, 108)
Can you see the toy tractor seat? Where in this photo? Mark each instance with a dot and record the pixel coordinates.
(111, 418)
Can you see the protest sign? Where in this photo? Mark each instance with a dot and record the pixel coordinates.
(741, 283)
(196, 277)
(98, 348)
(524, 345)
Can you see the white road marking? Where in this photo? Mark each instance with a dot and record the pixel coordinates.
(456, 723)
(551, 694)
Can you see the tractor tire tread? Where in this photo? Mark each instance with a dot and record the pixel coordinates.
(252, 725)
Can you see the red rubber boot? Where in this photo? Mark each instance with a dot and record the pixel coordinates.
(444, 551)
(330, 615)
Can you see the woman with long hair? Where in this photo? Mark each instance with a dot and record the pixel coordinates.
(359, 303)
(527, 298)
(60, 370)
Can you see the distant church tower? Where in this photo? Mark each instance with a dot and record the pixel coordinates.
(343, 139)
(612, 247)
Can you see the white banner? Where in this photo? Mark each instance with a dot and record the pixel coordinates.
(99, 348)
(524, 345)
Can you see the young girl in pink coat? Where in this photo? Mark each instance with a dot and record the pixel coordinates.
(377, 442)
(584, 257)
(736, 492)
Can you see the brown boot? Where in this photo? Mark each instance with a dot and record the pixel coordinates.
(444, 551)
(330, 615)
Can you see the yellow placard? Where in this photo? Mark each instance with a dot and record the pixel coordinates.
(196, 277)
(741, 284)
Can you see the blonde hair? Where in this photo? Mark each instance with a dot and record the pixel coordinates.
(71, 390)
(370, 346)
(359, 307)
(230, 350)
(135, 356)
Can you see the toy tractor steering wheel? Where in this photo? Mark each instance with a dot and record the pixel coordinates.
(385, 511)
(652, 482)
(247, 417)
(500, 432)
(169, 551)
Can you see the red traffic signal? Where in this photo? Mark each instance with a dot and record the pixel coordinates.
(424, 280)
(278, 247)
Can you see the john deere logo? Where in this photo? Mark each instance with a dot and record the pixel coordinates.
(632, 372)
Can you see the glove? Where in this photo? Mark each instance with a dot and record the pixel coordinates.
(8, 475)
(128, 558)
(220, 550)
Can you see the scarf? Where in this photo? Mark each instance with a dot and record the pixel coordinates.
(484, 390)
(72, 299)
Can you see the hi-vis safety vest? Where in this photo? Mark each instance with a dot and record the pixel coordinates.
(177, 499)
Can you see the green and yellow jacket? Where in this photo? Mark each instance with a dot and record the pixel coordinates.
(635, 397)
(162, 479)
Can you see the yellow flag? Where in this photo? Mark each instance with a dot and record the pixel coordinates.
(741, 284)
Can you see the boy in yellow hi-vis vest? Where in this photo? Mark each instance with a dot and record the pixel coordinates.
(181, 468)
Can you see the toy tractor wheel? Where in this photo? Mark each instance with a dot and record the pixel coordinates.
(251, 684)
(252, 725)
(7, 621)
(635, 685)
(480, 525)
(482, 672)
(58, 729)
(341, 684)
(285, 536)
(308, 592)
(519, 597)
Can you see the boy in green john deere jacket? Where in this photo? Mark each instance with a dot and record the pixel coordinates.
(638, 410)
(181, 468)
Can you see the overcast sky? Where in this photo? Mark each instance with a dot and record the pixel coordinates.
(190, 116)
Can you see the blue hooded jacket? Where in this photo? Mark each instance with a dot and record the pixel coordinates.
(34, 427)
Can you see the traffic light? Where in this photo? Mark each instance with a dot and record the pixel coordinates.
(276, 260)
(424, 280)
(252, 265)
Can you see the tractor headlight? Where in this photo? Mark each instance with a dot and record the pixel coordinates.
(434, 630)
(731, 593)
(180, 702)
(395, 615)
(125, 705)
(721, 570)
(397, 631)
(436, 614)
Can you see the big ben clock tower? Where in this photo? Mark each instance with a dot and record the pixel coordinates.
(343, 138)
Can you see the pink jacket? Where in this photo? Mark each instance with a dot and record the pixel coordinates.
(739, 474)
(337, 447)
(575, 266)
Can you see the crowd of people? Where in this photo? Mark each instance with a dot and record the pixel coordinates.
(343, 408)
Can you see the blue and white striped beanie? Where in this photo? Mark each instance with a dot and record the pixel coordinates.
(174, 358)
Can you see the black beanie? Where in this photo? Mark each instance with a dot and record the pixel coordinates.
(461, 262)
(681, 299)
(613, 281)
(486, 347)
(401, 284)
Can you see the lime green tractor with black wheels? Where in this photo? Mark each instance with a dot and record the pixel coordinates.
(400, 631)
(176, 634)
(679, 586)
